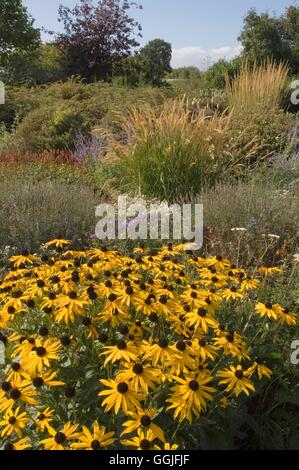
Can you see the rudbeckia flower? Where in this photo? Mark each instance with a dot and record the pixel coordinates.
(97, 440)
(143, 419)
(58, 243)
(142, 377)
(22, 444)
(145, 440)
(119, 396)
(59, 440)
(13, 421)
(236, 379)
(190, 397)
(267, 310)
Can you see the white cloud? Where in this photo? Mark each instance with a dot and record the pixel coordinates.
(202, 58)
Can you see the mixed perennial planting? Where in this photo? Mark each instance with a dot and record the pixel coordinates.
(109, 350)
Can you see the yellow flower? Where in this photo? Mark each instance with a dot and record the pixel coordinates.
(141, 377)
(267, 310)
(265, 271)
(121, 351)
(14, 421)
(41, 356)
(120, 396)
(23, 259)
(22, 444)
(43, 419)
(190, 397)
(236, 379)
(59, 440)
(143, 441)
(96, 440)
(57, 243)
(140, 419)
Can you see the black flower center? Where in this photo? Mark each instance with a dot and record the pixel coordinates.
(121, 345)
(41, 351)
(122, 387)
(65, 340)
(43, 331)
(202, 312)
(124, 329)
(103, 338)
(60, 437)
(163, 343)
(112, 297)
(70, 392)
(12, 420)
(194, 385)
(15, 394)
(239, 374)
(145, 444)
(9, 446)
(138, 369)
(95, 445)
(153, 317)
(73, 295)
(145, 421)
(38, 382)
(6, 386)
(181, 345)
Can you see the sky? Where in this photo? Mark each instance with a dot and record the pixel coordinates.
(200, 31)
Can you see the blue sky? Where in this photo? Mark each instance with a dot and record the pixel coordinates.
(200, 31)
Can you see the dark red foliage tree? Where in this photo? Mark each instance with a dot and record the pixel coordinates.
(97, 36)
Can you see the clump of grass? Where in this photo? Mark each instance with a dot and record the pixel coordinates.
(166, 152)
(258, 123)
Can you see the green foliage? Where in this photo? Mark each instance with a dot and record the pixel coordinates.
(184, 73)
(50, 117)
(218, 74)
(264, 36)
(155, 60)
(17, 32)
(43, 65)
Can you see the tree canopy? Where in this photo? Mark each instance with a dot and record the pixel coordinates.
(97, 36)
(17, 32)
(155, 59)
(264, 36)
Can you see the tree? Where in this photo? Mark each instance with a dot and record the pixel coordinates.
(218, 74)
(185, 73)
(155, 60)
(17, 33)
(266, 37)
(37, 67)
(97, 36)
(291, 27)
